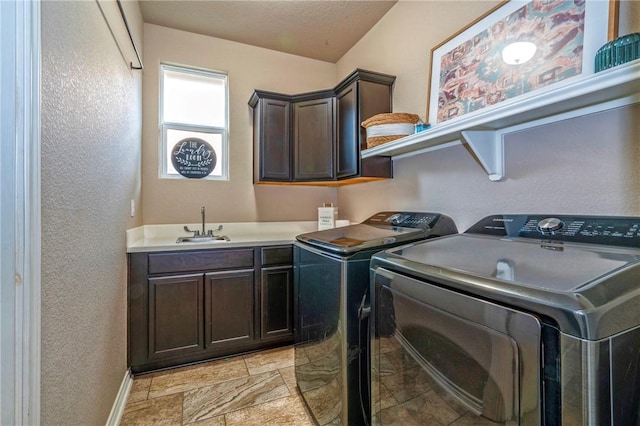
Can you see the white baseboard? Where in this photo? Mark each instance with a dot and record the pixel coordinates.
(121, 400)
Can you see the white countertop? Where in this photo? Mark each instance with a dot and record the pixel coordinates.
(242, 234)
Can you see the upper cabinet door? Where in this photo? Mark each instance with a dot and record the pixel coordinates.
(348, 136)
(314, 140)
(273, 139)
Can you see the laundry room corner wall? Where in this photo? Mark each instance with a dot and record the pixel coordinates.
(583, 166)
(248, 68)
(91, 155)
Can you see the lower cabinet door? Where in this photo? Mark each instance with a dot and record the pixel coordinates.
(175, 315)
(229, 308)
(276, 302)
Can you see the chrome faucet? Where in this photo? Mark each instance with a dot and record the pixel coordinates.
(202, 213)
(204, 233)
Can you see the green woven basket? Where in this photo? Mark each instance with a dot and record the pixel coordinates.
(616, 52)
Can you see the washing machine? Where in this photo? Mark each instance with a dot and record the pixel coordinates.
(520, 320)
(331, 325)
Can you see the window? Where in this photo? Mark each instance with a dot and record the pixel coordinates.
(193, 104)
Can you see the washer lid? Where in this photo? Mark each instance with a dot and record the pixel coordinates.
(382, 230)
(590, 291)
(549, 266)
(353, 238)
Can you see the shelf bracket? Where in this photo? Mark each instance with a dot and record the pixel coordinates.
(488, 147)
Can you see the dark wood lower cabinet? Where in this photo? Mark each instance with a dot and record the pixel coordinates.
(194, 305)
(277, 298)
(229, 308)
(175, 315)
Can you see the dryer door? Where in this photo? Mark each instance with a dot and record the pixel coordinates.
(441, 357)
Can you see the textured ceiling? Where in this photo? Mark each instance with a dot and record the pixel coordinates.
(323, 30)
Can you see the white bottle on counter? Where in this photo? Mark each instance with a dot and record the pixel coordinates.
(327, 216)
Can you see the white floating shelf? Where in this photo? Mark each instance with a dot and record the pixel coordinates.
(484, 130)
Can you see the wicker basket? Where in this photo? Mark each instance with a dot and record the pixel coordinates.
(383, 128)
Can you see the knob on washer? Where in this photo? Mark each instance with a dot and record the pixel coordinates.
(549, 225)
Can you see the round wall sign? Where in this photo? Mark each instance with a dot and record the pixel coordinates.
(193, 158)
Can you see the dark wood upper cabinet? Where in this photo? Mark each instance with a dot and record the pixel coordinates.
(313, 140)
(271, 118)
(322, 132)
(347, 148)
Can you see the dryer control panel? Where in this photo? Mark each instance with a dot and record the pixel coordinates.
(607, 230)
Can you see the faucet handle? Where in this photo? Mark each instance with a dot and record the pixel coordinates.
(195, 233)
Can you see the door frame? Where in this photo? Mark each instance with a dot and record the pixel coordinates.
(20, 216)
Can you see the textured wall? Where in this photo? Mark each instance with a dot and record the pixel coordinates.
(91, 129)
(249, 68)
(586, 165)
(629, 17)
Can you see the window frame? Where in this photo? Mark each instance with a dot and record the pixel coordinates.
(165, 126)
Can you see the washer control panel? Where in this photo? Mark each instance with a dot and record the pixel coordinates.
(550, 225)
(607, 230)
(403, 219)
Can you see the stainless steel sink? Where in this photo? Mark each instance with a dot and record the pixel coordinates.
(204, 236)
(203, 239)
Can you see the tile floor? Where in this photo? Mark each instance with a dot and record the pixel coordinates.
(254, 389)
